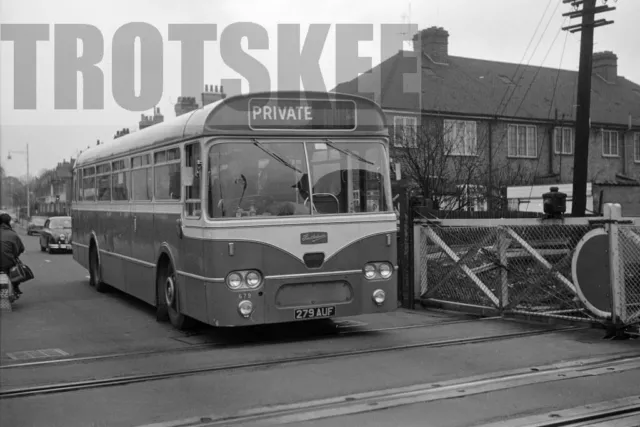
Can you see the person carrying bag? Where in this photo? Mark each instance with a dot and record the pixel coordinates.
(12, 247)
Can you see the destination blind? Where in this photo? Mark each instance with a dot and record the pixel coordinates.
(303, 114)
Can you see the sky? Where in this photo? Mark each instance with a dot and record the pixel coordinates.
(499, 30)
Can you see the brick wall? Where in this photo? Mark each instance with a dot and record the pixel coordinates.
(557, 167)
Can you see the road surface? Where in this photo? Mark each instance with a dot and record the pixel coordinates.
(73, 357)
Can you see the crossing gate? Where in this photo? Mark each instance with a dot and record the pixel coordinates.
(519, 266)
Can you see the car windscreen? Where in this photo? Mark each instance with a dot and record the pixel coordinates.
(60, 223)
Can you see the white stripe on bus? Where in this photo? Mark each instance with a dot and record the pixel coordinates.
(221, 279)
(167, 208)
(287, 238)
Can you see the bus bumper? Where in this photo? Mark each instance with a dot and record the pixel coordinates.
(282, 301)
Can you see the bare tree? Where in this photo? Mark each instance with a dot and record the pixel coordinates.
(448, 163)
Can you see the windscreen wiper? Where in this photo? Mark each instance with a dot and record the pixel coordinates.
(347, 152)
(275, 156)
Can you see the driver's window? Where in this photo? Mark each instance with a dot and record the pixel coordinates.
(262, 179)
(46, 224)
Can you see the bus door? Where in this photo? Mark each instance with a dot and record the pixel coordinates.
(191, 230)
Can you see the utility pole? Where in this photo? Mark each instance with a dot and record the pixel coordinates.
(28, 188)
(583, 116)
(26, 153)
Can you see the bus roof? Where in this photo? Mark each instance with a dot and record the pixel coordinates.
(258, 114)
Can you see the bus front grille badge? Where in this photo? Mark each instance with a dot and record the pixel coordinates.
(314, 238)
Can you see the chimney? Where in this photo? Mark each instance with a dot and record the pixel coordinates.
(184, 105)
(605, 64)
(434, 42)
(212, 95)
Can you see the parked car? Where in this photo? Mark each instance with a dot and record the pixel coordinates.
(56, 235)
(36, 224)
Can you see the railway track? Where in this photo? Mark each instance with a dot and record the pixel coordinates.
(223, 345)
(619, 413)
(133, 379)
(594, 415)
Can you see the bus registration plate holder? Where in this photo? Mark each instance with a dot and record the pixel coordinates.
(315, 312)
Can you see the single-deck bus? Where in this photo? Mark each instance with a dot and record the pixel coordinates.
(262, 208)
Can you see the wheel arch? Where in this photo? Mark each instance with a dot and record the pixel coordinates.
(93, 241)
(165, 255)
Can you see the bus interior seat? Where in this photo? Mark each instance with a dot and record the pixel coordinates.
(326, 203)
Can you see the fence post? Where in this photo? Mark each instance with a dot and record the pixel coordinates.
(403, 206)
(410, 287)
(503, 244)
(613, 213)
(417, 261)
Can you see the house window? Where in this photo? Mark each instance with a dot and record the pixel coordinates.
(610, 146)
(522, 141)
(461, 137)
(563, 140)
(405, 130)
(636, 147)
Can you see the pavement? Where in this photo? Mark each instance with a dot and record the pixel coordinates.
(405, 368)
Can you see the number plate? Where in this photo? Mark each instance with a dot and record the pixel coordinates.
(315, 313)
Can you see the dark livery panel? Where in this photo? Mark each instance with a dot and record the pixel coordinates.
(338, 284)
(310, 233)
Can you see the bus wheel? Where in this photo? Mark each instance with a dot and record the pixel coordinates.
(168, 300)
(95, 277)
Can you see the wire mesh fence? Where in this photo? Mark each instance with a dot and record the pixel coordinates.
(520, 269)
(628, 266)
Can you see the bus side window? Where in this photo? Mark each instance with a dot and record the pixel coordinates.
(192, 180)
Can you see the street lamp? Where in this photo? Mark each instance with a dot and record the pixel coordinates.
(26, 153)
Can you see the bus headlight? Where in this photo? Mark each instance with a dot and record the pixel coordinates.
(369, 271)
(385, 270)
(245, 308)
(234, 281)
(245, 279)
(379, 296)
(378, 270)
(253, 279)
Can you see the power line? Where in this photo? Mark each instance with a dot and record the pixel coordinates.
(504, 109)
(525, 53)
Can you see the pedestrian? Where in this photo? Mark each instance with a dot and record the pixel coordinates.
(12, 247)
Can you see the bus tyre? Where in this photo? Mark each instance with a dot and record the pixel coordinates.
(168, 308)
(95, 276)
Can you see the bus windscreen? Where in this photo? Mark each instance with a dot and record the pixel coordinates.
(305, 114)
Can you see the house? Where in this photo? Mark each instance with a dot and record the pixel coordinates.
(502, 116)
(53, 190)
(210, 95)
(146, 121)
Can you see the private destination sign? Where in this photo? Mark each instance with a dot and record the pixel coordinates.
(309, 114)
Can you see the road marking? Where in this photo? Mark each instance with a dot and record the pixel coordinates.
(47, 260)
(87, 277)
(37, 354)
(378, 400)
